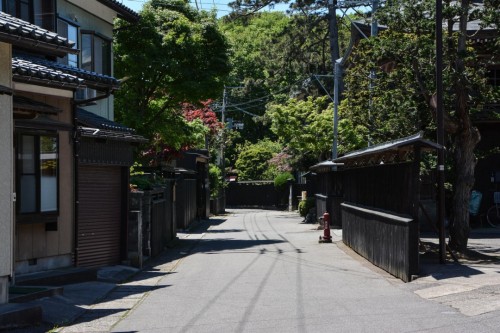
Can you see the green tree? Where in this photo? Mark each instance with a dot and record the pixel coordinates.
(305, 127)
(174, 54)
(216, 180)
(250, 40)
(404, 93)
(273, 56)
(253, 160)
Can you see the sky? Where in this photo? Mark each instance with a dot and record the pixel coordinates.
(221, 5)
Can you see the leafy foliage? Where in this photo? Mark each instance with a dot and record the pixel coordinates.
(253, 160)
(305, 206)
(273, 57)
(389, 104)
(173, 55)
(281, 180)
(305, 127)
(400, 99)
(203, 113)
(216, 180)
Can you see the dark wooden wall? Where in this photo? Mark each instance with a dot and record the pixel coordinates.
(386, 240)
(185, 202)
(262, 195)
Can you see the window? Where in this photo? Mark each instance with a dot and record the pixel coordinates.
(37, 170)
(70, 31)
(38, 12)
(96, 53)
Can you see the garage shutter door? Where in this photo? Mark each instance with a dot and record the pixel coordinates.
(99, 216)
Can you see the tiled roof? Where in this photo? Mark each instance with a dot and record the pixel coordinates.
(22, 33)
(25, 70)
(122, 10)
(90, 119)
(63, 73)
(94, 126)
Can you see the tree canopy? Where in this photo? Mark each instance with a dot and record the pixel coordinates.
(274, 57)
(254, 161)
(400, 98)
(173, 54)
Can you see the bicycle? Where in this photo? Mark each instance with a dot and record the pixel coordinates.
(493, 214)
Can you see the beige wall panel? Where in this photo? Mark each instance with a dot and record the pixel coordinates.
(6, 165)
(24, 241)
(52, 242)
(39, 240)
(66, 192)
(34, 241)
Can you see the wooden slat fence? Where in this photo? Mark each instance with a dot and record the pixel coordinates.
(386, 240)
(185, 203)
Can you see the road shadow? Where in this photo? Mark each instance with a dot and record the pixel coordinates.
(230, 244)
(478, 254)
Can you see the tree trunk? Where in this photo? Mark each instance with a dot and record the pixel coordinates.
(465, 140)
(465, 162)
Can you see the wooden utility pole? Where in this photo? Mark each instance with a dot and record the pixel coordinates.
(440, 128)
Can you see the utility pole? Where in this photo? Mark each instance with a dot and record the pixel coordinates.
(334, 30)
(333, 5)
(373, 33)
(337, 72)
(335, 55)
(374, 26)
(222, 160)
(223, 120)
(440, 128)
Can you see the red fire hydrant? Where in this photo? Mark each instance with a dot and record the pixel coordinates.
(326, 238)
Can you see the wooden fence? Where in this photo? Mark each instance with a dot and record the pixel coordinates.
(387, 240)
(330, 204)
(380, 186)
(261, 194)
(151, 223)
(185, 203)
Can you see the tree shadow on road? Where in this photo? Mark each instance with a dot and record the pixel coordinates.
(464, 267)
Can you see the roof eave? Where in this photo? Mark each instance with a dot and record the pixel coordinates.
(122, 11)
(42, 47)
(411, 141)
(46, 82)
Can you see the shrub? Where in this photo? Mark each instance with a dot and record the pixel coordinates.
(215, 179)
(281, 180)
(253, 160)
(305, 206)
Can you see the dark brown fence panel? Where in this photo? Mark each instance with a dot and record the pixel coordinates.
(386, 240)
(134, 229)
(320, 204)
(158, 225)
(170, 230)
(152, 224)
(387, 187)
(251, 194)
(263, 195)
(330, 204)
(185, 202)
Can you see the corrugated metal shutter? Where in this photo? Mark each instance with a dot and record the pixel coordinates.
(99, 216)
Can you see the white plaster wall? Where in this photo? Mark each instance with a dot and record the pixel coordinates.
(6, 172)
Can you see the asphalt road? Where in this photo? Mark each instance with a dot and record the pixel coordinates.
(264, 271)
